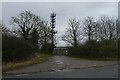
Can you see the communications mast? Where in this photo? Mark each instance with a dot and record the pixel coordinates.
(52, 24)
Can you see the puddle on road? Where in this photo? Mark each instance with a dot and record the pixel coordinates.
(59, 62)
(65, 70)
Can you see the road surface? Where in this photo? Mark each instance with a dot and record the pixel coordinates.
(101, 72)
(67, 67)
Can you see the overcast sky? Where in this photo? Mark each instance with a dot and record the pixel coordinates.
(64, 11)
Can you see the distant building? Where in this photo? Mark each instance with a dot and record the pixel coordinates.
(60, 50)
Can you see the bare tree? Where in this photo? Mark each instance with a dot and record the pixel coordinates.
(106, 28)
(34, 37)
(89, 27)
(44, 33)
(26, 21)
(111, 28)
(5, 30)
(32, 28)
(95, 33)
(118, 28)
(72, 34)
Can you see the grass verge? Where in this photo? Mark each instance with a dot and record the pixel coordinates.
(96, 58)
(37, 59)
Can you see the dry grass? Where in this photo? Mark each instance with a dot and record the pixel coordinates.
(37, 59)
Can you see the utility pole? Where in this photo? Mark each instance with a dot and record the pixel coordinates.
(52, 24)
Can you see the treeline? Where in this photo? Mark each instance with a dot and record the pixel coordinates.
(31, 34)
(92, 38)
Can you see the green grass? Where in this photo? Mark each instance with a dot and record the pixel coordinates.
(37, 59)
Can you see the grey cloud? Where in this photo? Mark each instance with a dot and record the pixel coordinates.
(0, 11)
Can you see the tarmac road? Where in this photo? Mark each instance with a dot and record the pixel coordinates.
(100, 72)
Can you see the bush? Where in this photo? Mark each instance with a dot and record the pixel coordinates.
(15, 48)
(47, 48)
(118, 48)
(108, 48)
(94, 49)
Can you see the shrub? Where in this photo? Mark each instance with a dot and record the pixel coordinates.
(47, 48)
(15, 48)
(94, 49)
